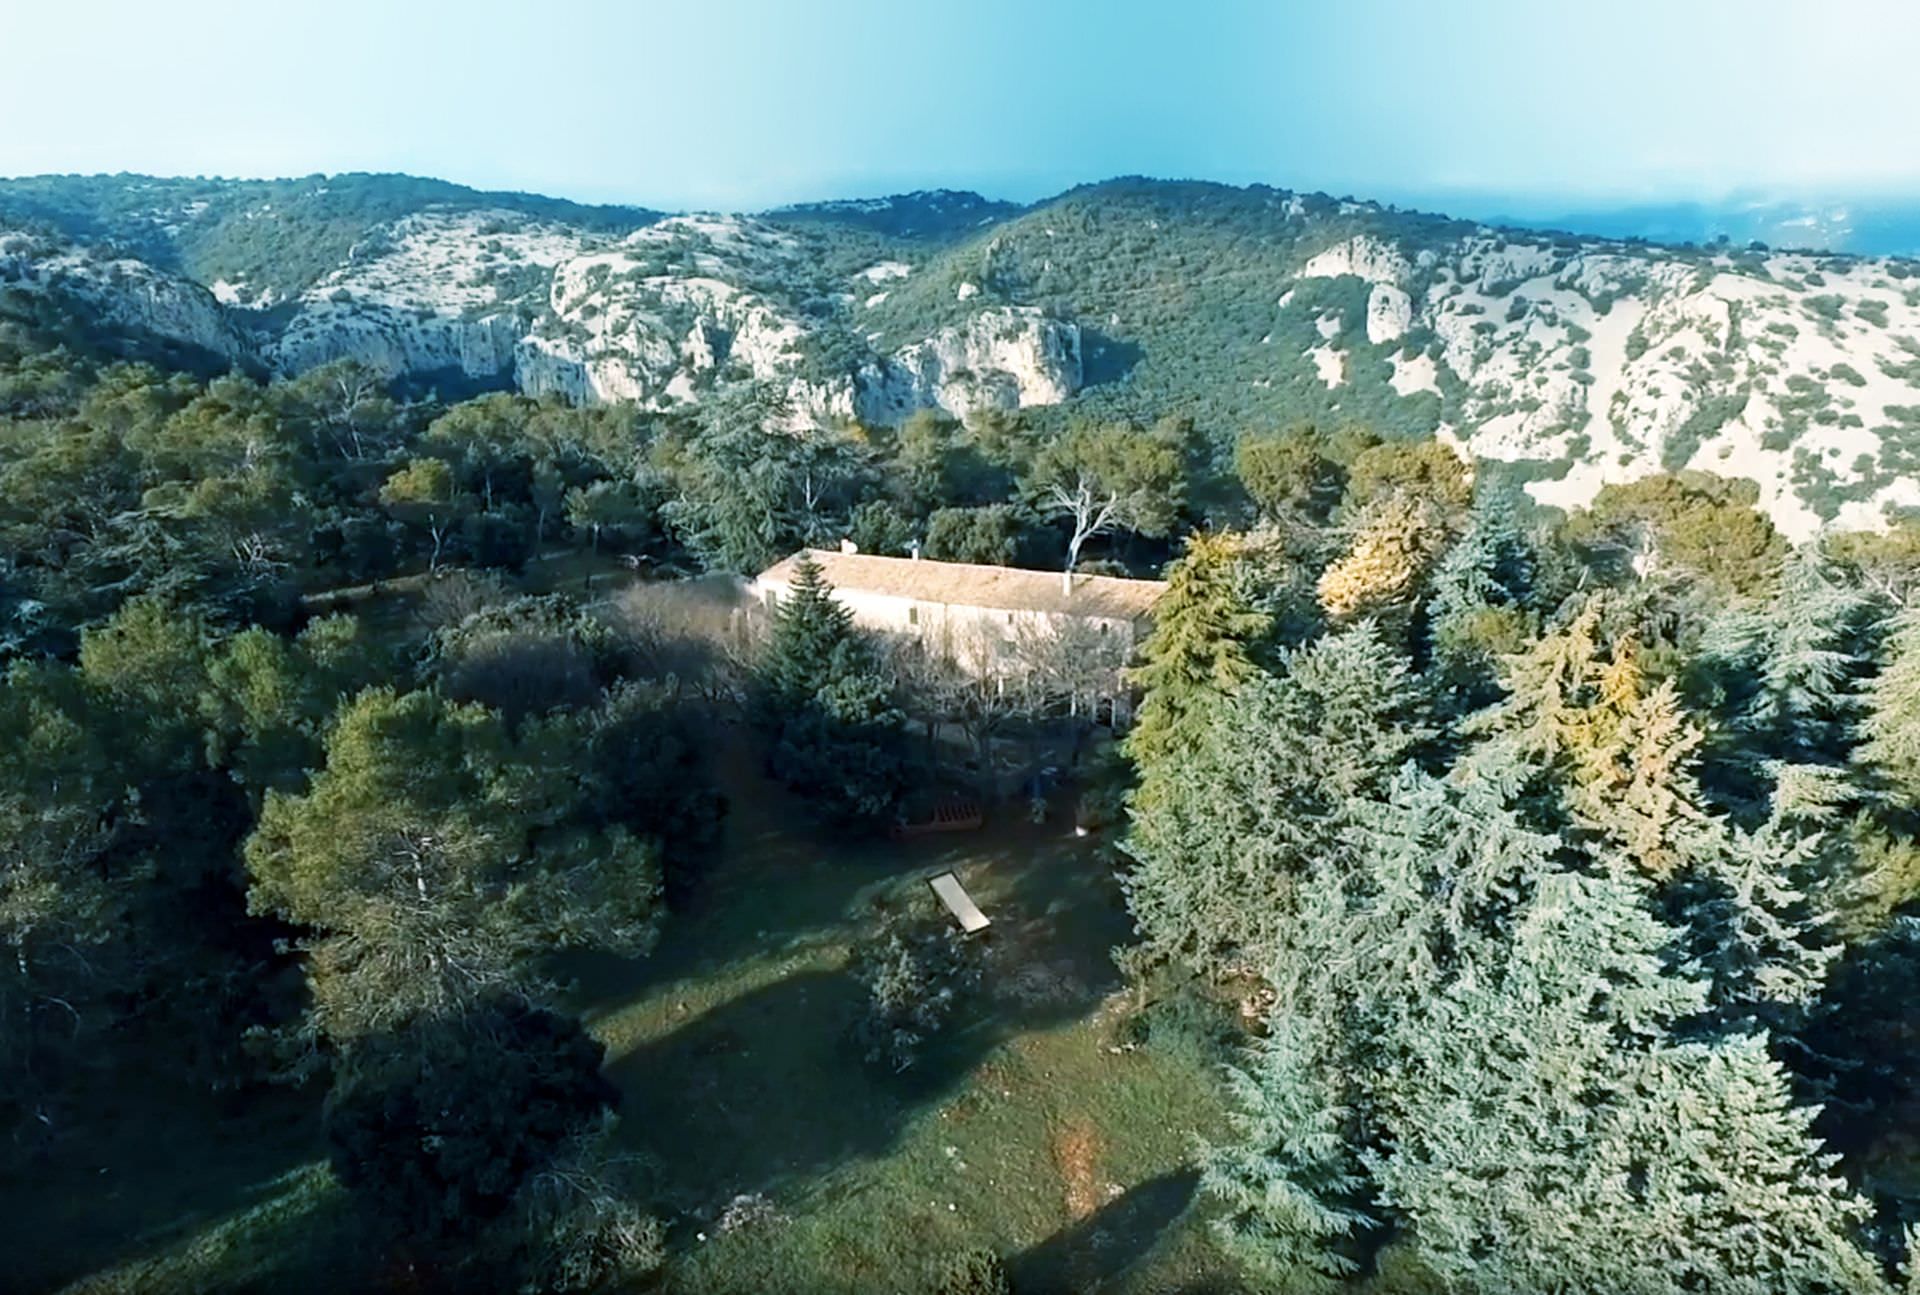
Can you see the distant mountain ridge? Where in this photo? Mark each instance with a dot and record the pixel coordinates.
(278, 234)
(1568, 360)
(924, 213)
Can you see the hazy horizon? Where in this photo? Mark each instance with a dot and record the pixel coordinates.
(1507, 110)
(1472, 204)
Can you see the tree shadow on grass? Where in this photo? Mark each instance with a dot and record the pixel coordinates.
(782, 883)
(1100, 1247)
(767, 1091)
(161, 1164)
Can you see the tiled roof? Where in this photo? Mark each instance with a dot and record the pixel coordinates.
(968, 584)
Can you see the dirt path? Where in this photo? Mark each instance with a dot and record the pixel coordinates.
(1076, 1153)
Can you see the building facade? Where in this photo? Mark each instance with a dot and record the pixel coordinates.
(992, 621)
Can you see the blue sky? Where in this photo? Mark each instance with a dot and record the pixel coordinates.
(729, 103)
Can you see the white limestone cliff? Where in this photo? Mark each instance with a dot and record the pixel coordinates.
(123, 292)
(1005, 358)
(1600, 363)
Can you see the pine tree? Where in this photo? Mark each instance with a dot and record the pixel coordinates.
(1636, 786)
(809, 627)
(1288, 1178)
(1666, 1166)
(436, 857)
(1481, 605)
(1392, 550)
(1789, 667)
(1539, 1111)
(1571, 706)
(1491, 565)
(1887, 773)
(1751, 904)
(837, 733)
(1755, 921)
(1221, 846)
(1890, 728)
(1200, 648)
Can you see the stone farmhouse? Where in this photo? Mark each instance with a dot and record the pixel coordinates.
(975, 615)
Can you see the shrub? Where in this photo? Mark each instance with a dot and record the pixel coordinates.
(580, 1229)
(916, 971)
(1188, 1022)
(970, 1272)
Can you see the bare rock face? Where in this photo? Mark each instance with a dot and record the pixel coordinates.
(125, 293)
(1389, 312)
(658, 317)
(1004, 358)
(1364, 257)
(1596, 362)
(435, 292)
(397, 343)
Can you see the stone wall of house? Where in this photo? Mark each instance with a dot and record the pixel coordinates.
(955, 630)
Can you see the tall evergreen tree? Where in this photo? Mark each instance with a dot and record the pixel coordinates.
(1491, 565)
(1289, 1177)
(1620, 759)
(1890, 726)
(1201, 648)
(809, 627)
(1395, 543)
(1221, 848)
(1787, 668)
(1539, 1113)
(1886, 777)
(838, 736)
(1481, 607)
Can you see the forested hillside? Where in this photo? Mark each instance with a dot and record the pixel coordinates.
(1574, 361)
(268, 239)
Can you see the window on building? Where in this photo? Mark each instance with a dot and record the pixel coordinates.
(913, 615)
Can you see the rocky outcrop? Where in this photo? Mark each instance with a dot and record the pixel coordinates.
(1004, 358)
(1364, 257)
(659, 317)
(123, 293)
(1389, 312)
(1593, 362)
(398, 343)
(615, 332)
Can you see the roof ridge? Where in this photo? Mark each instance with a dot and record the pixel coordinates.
(976, 584)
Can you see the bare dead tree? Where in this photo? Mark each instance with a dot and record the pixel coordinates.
(1069, 666)
(1092, 509)
(697, 634)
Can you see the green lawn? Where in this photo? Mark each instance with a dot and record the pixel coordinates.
(1032, 1128)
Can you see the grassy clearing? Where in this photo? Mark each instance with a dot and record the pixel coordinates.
(1031, 1128)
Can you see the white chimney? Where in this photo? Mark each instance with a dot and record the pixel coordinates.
(1066, 583)
(913, 549)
